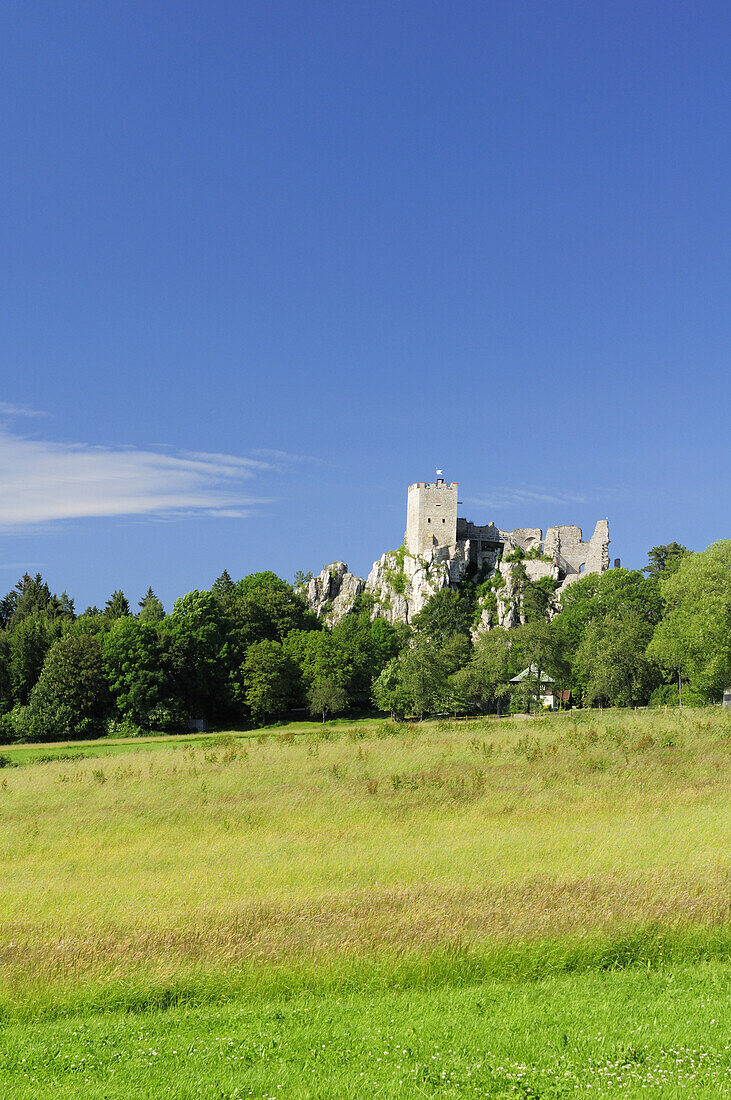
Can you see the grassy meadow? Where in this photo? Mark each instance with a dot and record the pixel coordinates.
(528, 906)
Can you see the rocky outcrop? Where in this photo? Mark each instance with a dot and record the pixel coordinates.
(333, 592)
(401, 584)
(504, 605)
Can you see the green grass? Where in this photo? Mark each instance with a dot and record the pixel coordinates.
(113, 746)
(496, 884)
(622, 1033)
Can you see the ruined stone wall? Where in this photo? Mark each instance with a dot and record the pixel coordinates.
(486, 544)
(573, 554)
(527, 538)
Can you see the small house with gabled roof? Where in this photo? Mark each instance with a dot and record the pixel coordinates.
(543, 682)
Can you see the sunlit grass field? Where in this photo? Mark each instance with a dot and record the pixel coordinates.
(633, 1032)
(492, 882)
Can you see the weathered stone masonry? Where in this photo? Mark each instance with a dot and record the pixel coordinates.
(440, 547)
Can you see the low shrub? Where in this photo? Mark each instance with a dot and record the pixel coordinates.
(124, 727)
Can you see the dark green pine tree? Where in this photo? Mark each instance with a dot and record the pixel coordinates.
(151, 609)
(117, 605)
(665, 559)
(223, 587)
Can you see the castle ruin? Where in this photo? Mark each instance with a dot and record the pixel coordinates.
(434, 529)
(441, 549)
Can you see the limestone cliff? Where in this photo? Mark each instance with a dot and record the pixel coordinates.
(333, 592)
(503, 606)
(401, 584)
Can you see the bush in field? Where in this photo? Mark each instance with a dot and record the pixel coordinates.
(668, 695)
(167, 717)
(124, 727)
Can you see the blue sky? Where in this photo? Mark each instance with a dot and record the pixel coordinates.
(264, 264)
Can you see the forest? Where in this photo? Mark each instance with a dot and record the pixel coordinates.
(248, 652)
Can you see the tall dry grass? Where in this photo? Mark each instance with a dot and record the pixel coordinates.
(436, 837)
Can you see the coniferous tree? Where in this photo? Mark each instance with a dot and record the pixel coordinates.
(665, 559)
(223, 588)
(117, 605)
(28, 642)
(151, 609)
(32, 596)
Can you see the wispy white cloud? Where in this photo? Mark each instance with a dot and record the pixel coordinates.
(516, 497)
(286, 457)
(228, 462)
(7, 409)
(42, 481)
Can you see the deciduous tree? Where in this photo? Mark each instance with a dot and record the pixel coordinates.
(610, 664)
(482, 681)
(326, 696)
(71, 697)
(694, 637)
(268, 681)
(134, 666)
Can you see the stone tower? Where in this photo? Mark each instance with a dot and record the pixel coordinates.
(431, 517)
